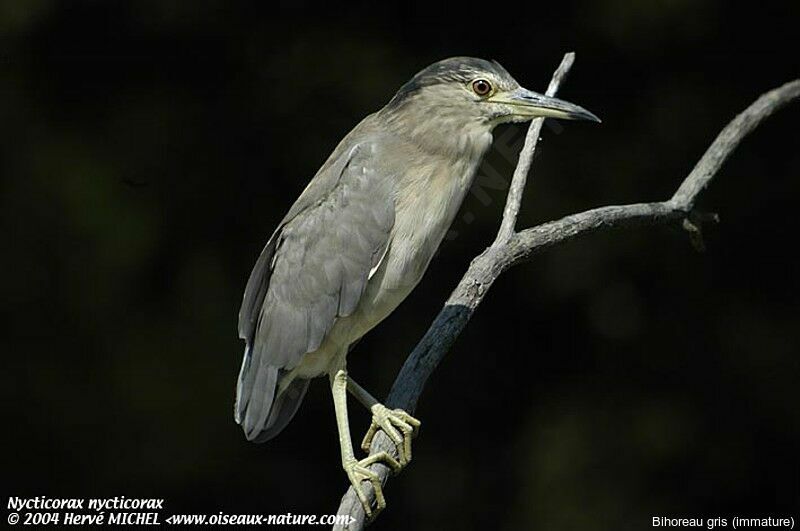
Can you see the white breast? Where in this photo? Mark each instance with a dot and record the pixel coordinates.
(429, 195)
(428, 199)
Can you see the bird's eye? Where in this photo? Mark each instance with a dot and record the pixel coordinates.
(481, 87)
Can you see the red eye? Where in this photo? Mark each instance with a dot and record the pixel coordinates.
(481, 87)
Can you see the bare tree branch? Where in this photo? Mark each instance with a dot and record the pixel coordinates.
(511, 248)
(514, 200)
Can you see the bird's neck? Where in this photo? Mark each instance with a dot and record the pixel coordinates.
(436, 165)
(441, 136)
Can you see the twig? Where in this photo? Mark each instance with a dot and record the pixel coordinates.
(518, 181)
(511, 248)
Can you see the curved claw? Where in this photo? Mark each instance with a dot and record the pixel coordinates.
(390, 421)
(358, 471)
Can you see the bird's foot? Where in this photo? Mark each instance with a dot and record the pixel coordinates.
(398, 425)
(358, 471)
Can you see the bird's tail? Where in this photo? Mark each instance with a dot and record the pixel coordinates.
(261, 409)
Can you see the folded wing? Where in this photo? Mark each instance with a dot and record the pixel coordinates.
(313, 270)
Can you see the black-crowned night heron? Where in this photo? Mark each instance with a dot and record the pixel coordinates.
(358, 240)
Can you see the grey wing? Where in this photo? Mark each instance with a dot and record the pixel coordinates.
(312, 271)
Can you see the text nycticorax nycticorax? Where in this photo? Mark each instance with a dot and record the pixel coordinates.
(358, 240)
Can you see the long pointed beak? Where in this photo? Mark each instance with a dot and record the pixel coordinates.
(529, 104)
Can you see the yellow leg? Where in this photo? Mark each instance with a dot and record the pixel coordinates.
(357, 471)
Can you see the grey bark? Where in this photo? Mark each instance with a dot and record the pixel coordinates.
(512, 247)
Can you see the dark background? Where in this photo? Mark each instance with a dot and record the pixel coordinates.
(149, 148)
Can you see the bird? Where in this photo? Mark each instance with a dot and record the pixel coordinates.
(359, 239)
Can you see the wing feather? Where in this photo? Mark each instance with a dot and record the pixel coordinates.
(313, 270)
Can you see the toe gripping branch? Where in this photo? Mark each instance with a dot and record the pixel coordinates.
(399, 427)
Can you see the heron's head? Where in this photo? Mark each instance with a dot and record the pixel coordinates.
(462, 91)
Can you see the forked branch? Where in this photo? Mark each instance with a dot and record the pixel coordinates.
(512, 247)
